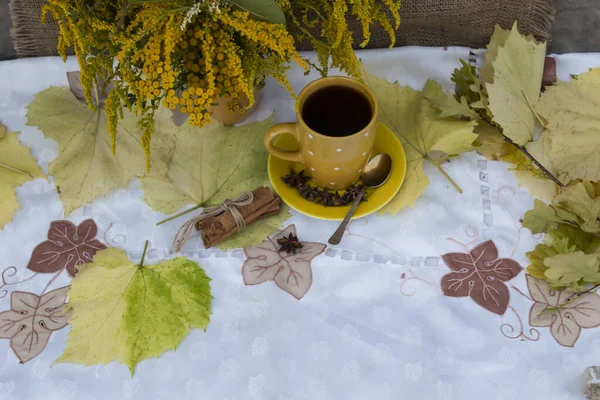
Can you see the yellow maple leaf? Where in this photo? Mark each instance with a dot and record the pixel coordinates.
(210, 165)
(127, 312)
(17, 166)
(85, 167)
(424, 135)
(517, 80)
(573, 113)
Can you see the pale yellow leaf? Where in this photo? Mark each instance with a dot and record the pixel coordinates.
(211, 165)
(128, 313)
(421, 131)
(85, 167)
(518, 69)
(573, 113)
(17, 166)
(490, 141)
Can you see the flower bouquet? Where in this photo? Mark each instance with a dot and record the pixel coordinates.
(186, 54)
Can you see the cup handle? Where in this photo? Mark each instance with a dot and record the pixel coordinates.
(276, 130)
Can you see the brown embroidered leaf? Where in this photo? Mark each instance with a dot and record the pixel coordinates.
(480, 274)
(566, 322)
(67, 247)
(31, 320)
(291, 272)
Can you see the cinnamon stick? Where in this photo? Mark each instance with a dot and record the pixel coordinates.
(216, 229)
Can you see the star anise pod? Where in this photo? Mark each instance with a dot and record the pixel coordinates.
(289, 244)
(295, 180)
(352, 193)
(323, 197)
(308, 192)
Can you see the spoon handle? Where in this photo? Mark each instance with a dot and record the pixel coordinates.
(336, 238)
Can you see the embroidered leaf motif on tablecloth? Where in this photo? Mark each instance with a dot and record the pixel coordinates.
(564, 312)
(481, 275)
(290, 271)
(68, 246)
(31, 320)
(123, 311)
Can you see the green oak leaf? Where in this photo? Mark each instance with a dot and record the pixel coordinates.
(542, 218)
(572, 270)
(128, 313)
(213, 164)
(575, 237)
(537, 268)
(17, 166)
(85, 167)
(576, 199)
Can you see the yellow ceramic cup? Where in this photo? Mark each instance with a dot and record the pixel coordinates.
(332, 162)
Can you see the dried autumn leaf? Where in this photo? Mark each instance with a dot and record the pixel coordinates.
(517, 70)
(85, 167)
(448, 104)
(527, 173)
(572, 270)
(480, 274)
(544, 217)
(490, 141)
(68, 246)
(577, 199)
(211, 165)
(124, 312)
(537, 268)
(31, 320)
(421, 131)
(564, 312)
(17, 166)
(291, 272)
(573, 113)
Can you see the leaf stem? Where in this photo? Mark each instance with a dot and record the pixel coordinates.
(15, 170)
(179, 215)
(439, 168)
(143, 254)
(528, 155)
(536, 162)
(541, 119)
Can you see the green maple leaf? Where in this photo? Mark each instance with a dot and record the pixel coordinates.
(447, 103)
(85, 167)
(577, 200)
(124, 312)
(211, 165)
(17, 166)
(573, 113)
(572, 270)
(517, 80)
(422, 133)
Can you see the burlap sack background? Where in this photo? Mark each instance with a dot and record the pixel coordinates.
(424, 23)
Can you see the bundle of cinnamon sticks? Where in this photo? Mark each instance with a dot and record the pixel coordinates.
(216, 229)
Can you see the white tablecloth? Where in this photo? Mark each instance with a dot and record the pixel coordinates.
(375, 324)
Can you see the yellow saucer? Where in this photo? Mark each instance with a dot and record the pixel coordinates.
(385, 142)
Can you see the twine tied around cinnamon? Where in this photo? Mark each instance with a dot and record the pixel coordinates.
(186, 229)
